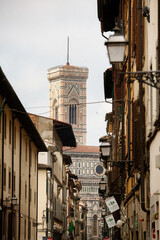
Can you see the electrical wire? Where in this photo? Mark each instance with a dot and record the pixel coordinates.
(15, 110)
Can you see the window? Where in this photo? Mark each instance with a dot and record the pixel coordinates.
(5, 127)
(31, 158)
(157, 235)
(26, 150)
(72, 113)
(157, 209)
(4, 177)
(25, 190)
(35, 198)
(14, 183)
(9, 180)
(10, 131)
(14, 137)
(30, 194)
(99, 170)
(30, 230)
(25, 229)
(35, 162)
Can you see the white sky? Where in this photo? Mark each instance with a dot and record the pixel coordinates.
(34, 38)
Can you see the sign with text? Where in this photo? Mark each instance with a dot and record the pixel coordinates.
(112, 204)
(110, 221)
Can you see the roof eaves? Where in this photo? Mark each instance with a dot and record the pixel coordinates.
(14, 103)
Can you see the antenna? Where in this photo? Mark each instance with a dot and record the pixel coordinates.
(67, 50)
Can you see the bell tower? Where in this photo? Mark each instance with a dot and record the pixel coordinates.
(67, 97)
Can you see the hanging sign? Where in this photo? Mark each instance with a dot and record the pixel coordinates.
(110, 221)
(112, 204)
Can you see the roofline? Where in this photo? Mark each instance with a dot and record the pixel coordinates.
(12, 100)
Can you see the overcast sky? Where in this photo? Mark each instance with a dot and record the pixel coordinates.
(34, 38)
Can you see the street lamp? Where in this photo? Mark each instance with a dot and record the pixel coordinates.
(119, 223)
(116, 46)
(14, 201)
(103, 212)
(102, 185)
(105, 149)
(43, 218)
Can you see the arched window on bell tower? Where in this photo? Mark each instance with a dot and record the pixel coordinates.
(73, 112)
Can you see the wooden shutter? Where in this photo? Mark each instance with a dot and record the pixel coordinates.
(136, 130)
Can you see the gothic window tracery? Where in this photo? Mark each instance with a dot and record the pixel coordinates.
(73, 111)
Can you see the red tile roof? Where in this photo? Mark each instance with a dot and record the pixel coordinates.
(88, 149)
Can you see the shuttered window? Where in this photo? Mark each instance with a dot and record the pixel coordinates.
(136, 130)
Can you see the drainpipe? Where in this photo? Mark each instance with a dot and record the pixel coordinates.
(141, 111)
(20, 157)
(1, 212)
(29, 195)
(129, 82)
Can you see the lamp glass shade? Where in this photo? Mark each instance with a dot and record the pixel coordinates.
(102, 185)
(105, 148)
(116, 46)
(119, 223)
(14, 200)
(103, 211)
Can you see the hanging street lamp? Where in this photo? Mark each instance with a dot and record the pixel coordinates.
(116, 46)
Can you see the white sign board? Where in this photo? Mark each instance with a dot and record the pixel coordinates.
(112, 204)
(110, 221)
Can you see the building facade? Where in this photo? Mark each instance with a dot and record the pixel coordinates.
(135, 115)
(20, 143)
(52, 179)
